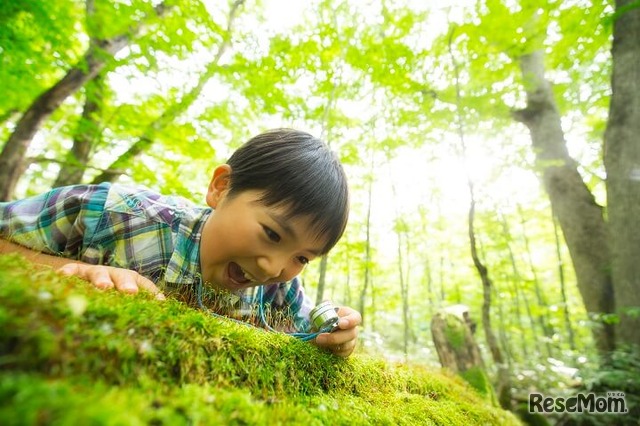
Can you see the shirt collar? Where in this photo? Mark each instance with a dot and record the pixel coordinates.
(184, 265)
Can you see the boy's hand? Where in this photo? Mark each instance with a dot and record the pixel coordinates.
(103, 277)
(108, 277)
(342, 341)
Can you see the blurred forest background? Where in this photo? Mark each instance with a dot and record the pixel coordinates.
(473, 134)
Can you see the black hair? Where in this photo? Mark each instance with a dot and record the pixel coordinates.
(298, 171)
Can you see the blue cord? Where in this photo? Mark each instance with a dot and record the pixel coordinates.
(298, 335)
(305, 337)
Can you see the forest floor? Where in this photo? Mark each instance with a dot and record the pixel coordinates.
(71, 354)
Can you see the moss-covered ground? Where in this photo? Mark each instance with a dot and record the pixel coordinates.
(74, 355)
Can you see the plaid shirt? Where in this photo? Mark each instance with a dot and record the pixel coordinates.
(134, 228)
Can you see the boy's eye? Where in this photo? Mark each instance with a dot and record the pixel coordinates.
(271, 234)
(303, 260)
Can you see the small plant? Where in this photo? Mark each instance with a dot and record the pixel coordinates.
(617, 374)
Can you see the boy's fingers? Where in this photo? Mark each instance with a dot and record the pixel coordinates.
(149, 286)
(344, 349)
(349, 317)
(337, 337)
(336, 344)
(107, 277)
(124, 281)
(98, 276)
(69, 269)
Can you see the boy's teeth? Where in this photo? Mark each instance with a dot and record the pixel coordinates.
(247, 276)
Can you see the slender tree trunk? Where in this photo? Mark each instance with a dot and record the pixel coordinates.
(322, 275)
(96, 57)
(563, 293)
(400, 229)
(517, 293)
(86, 134)
(326, 128)
(443, 294)
(502, 334)
(404, 293)
(622, 163)
(504, 381)
(367, 246)
(429, 280)
(518, 313)
(504, 387)
(120, 165)
(543, 316)
(427, 276)
(87, 129)
(347, 285)
(580, 217)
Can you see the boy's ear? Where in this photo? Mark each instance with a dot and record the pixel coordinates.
(219, 185)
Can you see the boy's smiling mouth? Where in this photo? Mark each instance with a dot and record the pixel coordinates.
(239, 276)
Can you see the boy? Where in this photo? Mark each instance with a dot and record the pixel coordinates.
(279, 202)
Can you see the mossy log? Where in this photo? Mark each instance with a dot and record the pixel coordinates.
(451, 329)
(71, 354)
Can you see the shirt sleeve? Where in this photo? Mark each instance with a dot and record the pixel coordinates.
(52, 222)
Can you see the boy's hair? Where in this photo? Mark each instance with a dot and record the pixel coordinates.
(298, 171)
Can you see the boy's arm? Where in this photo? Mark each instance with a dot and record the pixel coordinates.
(36, 257)
(103, 277)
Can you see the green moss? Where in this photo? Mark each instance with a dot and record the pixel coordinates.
(454, 332)
(70, 354)
(478, 379)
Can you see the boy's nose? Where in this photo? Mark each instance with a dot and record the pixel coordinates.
(271, 267)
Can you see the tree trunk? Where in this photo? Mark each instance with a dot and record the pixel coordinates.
(563, 292)
(400, 230)
(85, 136)
(427, 278)
(505, 341)
(622, 163)
(322, 279)
(579, 215)
(347, 284)
(517, 296)
(543, 317)
(504, 381)
(457, 349)
(73, 168)
(14, 151)
(367, 247)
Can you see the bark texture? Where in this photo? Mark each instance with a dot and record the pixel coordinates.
(580, 217)
(622, 163)
(453, 338)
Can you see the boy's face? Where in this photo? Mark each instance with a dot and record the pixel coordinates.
(245, 243)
